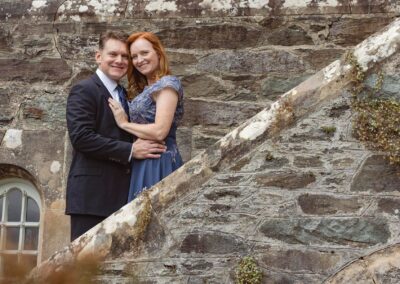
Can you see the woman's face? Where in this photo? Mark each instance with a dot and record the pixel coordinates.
(144, 58)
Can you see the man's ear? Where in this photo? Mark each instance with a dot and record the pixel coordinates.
(97, 56)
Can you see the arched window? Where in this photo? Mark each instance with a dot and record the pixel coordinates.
(19, 221)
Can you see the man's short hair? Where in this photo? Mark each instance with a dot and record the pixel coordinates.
(121, 36)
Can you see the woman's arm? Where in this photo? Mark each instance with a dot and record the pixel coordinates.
(166, 100)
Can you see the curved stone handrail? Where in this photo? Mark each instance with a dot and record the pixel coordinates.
(131, 220)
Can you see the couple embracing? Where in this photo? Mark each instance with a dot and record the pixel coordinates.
(123, 140)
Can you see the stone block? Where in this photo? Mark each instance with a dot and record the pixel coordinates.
(5, 40)
(338, 110)
(390, 206)
(181, 63)
(13, 11)
(325, 204)
(254, 62)
(33, 112)
(6, 108)
(220, 35)
(307, 162)
(342, 163)
(349, 31)
(184, 142)
(197, 86)
(51, 70)
(216, 194)
(245, 90)
(287, 180)
(226, 114)
(176, 57)
(259, 161)
(283, 277)
(197, 265)
(390, 84)
(319, 58)
(213, 243)
(354, 232)
(273, 87)
(313, 135)
(45, 109)
(154, 239)
(35, 40)
(78, 47)
(229, 180)
(203, 141)
(377, 175)
(288, 36)
(309, 261)
(205, 136)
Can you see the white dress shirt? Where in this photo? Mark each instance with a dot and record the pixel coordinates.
(110, 84)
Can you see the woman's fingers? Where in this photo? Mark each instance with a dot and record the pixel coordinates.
(113, 103)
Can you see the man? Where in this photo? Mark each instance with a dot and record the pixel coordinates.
(98, 181)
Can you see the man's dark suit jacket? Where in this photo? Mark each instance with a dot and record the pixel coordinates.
(98, 181)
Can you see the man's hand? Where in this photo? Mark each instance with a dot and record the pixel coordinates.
(144, 149)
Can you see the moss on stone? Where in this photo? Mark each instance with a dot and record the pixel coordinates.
(248, 271)
(328, 130)
(377, 122)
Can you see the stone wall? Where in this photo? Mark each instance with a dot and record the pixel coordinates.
(234, 58)
(310, 205)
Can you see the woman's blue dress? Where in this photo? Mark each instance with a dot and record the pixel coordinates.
(142, 109)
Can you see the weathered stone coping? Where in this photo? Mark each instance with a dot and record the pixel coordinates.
(106, 239)
(79, 10)
(367, 269)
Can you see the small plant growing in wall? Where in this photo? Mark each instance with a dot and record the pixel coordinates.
(328, 130)
(377, 121)
(248, 272)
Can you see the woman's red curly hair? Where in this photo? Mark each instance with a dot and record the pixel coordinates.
(137, 81)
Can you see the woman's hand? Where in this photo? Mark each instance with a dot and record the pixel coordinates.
(119, 114)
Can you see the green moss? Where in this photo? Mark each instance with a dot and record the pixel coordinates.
(377, 120)
(328, 130)
(248, 272)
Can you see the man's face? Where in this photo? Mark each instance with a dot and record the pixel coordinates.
(113, 59)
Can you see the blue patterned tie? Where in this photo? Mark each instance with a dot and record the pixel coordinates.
(122, 99)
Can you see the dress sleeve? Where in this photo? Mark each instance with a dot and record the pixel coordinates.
(174, 83)
(169, 82)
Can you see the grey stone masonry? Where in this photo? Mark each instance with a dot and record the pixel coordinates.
(305, 203)
(234, 58)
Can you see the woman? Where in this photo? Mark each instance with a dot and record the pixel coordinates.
(155, 110)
